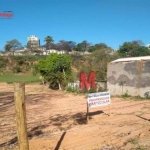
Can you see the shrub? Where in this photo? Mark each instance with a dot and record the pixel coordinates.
(70, 89)
(3, 62)
(56, 69)
(16, 69)
(20, 62)
(133, 141)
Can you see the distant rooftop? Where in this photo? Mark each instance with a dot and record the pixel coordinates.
(33, 37)
(131, 59)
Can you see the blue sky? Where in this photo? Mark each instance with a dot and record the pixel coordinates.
(97, 21)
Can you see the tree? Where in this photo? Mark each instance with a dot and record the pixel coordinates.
(79, 47)
(133, 49)
(97, 47)
(83, 46)
(63, 45)
(72, 45)
(13, 45)
(7, 47)
(66, 45)
(86, 45)
(56, 69)
(49, 41)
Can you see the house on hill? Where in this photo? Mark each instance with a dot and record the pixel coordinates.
(129, 76)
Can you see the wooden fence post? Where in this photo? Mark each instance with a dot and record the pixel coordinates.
(20, 109)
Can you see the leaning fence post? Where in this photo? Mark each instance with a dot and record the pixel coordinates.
(20, 109)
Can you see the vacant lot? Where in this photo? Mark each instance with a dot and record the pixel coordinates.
(57, 120)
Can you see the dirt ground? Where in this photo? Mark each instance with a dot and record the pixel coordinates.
(56, 120)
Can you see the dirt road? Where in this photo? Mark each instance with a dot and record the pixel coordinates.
(57, 121)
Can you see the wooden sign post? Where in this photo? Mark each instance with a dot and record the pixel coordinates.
(20, 109)
(87, 114)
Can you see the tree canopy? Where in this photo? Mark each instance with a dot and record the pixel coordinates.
(97, 47)
(66, 45)
(83, 46)
(133, 49)
(13, 45)
(56, 69)
(49, 41)
(7, 47)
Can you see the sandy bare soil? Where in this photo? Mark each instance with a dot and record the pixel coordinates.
(57, 121)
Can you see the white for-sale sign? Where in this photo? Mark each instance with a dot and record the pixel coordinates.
(98, 99)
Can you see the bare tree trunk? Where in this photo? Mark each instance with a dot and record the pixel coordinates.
(59, 85)
(42, 78)
(64, 74)
(43, 81)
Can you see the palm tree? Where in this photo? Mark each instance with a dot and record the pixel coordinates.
(49, 40)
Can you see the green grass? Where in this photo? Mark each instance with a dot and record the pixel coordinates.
(26, 78)
(140, 148)
(133, 141)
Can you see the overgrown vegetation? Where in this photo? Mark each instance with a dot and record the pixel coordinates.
(96, 61)
(133, 49)
(59, 71)
(18, 68)
(3, 64)
(67, 68)
(55, 69)
(18, 64)
(133, 141)
(125, 95)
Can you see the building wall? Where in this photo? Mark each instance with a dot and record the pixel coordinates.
(131, 77)
(34, 41)
(47, 52)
